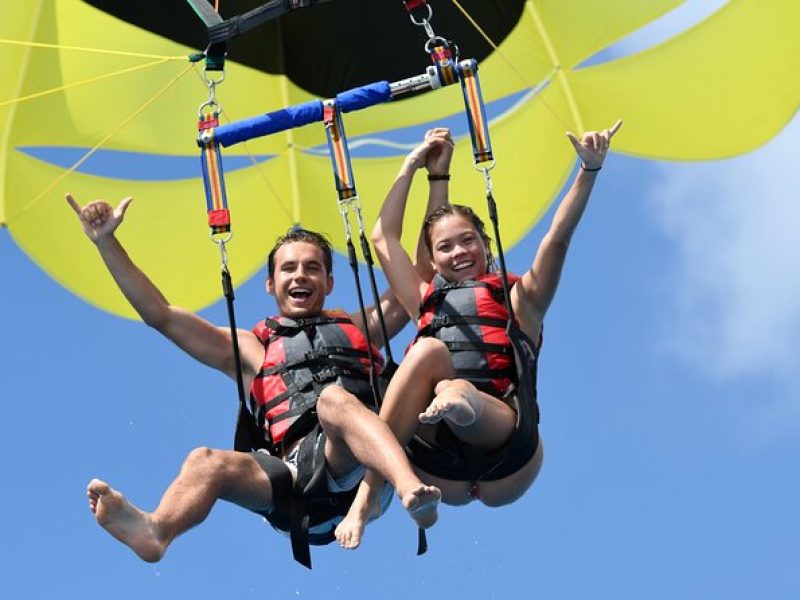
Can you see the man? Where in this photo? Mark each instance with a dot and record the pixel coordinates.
(350, 437)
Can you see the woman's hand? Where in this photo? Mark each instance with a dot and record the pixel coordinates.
(593, 145)
(434, 153)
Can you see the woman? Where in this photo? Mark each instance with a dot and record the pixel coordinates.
(458, 396)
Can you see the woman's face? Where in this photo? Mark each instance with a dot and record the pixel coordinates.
(458, 252)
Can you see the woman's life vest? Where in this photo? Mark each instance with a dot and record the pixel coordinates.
(471, 319)
(303, 356)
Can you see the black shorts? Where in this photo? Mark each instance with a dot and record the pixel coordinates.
(450, 458)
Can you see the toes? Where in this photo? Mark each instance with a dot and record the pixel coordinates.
(98, 487)
(347, 538)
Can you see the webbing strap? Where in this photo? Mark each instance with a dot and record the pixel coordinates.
(219, 218)
(326, 375)
(346, 190)
(247, 436)
(478, 347)
(440, 292)
(221, 30)
(287, 329)
(206, 12)
(476, 112)
(329, 355)
(440, 321)
(412, 5)
(506, 373)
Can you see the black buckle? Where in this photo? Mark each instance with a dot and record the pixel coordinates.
(324, 375)
(314, 354)
(440, 321)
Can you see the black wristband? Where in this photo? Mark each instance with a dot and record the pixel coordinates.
(583, 168)
(443, 177)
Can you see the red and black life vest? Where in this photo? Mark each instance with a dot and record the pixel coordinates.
(303, 356)
(471, 319)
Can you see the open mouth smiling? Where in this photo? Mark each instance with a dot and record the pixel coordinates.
(300, 293)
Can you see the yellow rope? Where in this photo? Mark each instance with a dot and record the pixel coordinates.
(511, 64)
(94, 50)
(577, 122)
(80, 83)
(102, 142)
(491, 42)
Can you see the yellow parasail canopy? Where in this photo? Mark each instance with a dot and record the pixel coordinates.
(124, 123)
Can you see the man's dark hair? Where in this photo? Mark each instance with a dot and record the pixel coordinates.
(298, 234)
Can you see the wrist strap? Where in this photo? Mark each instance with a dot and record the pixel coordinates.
(443, 177)
(583, 168)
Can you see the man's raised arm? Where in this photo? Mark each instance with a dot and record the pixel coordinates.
(202, 340)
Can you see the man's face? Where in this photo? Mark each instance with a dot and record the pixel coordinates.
(300, 281)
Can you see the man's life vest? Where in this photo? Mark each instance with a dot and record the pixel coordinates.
(471, 319)
(302, 357)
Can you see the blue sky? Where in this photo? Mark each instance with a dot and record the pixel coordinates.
(669, 387)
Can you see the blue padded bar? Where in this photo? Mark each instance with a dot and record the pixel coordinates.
(364, 97)
(279, 120)
(301, 114)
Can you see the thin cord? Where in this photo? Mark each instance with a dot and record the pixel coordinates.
(93, 50)
(99, 144)
(75, 84)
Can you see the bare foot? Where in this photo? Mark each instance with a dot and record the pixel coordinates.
(350, 531)
(422, 504)
(456, 402)
(124, 521)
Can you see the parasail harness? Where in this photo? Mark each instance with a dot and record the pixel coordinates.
(293, 498)
(466, 71)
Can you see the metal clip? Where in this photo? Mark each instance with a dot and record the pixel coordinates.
(223, 250)
(212, 84)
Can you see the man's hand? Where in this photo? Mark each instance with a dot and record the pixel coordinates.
(592, 147)
(98, 219)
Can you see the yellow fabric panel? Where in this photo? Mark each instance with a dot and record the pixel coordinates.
(580, 28)
(164, 230)
(18, 23)
(719, 89)
(244, 92)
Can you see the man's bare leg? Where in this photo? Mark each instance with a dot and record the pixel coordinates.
(206, 476)
(356, 435)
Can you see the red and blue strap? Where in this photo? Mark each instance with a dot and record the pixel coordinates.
(476, 112)
(338, 149)
(219, 218)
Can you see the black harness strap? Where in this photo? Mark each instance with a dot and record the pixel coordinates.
(440, 321)
(331, 356)
(307, 501)
(229, 29)
(510, 372)
(247, 436)
(222, 30)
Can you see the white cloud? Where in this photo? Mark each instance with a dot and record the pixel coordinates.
(734, 298)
